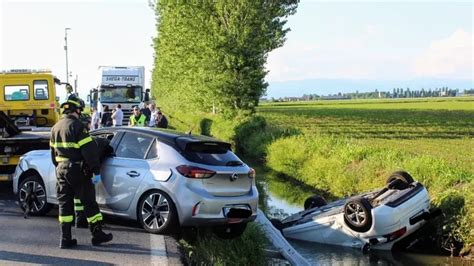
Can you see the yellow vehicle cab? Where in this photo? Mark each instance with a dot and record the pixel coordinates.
(28, 108)
(29, 97)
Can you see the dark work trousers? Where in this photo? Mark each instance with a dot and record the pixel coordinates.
(71, 183)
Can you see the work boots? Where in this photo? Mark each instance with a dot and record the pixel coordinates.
(81, 220)
(98, 236)
(66, 238)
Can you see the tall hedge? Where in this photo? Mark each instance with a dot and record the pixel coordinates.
(211, 54)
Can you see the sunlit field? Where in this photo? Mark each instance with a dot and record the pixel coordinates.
(441, 127)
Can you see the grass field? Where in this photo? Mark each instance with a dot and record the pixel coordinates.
(440, 127)
(347, 147)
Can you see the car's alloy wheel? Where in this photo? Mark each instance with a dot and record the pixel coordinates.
(357, 214)
(156, 212)
(32, 196)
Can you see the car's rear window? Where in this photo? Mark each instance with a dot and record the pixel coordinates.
(211, 153)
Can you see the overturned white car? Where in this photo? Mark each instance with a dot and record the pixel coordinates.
(377, 219)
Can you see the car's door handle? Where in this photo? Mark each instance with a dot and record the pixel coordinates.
(133, 173)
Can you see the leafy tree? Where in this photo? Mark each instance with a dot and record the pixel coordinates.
(212, 53)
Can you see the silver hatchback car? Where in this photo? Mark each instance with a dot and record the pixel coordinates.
(161, 178)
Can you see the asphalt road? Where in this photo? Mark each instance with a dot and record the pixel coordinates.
(35, 240)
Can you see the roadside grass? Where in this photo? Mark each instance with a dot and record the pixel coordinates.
(349, 147)
(207, 249)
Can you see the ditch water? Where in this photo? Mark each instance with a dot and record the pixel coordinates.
(280, 198)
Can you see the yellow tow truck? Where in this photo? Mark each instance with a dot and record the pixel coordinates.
(28, 109)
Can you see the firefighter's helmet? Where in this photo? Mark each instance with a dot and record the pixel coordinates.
(72, 103)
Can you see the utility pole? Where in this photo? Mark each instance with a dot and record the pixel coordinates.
(75, 85)
(65, 48)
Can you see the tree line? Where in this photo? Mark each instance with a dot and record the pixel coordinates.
(395, 93)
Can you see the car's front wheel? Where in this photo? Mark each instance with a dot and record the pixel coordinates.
(230, 231)
(32, 196)
(157, 212)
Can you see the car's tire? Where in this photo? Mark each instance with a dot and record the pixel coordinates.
(314, 201)
(229, 231)
(33, 189)
(401, 175)
(157, 213)
(357, 214)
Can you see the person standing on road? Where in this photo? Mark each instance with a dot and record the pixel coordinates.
(145, 111)
(71, 147)
(106, 119)
(95, 119)
(153, 114)
(117, 116)
(161, 120)
(137, 119)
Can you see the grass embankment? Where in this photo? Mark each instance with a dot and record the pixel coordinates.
(347, 147)
(206, 249)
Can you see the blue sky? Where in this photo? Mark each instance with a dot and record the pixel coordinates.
(368, 40)
(376, 40)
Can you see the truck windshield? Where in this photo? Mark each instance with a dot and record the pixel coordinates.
(120, 94)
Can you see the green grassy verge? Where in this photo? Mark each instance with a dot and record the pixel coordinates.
(348, 147)
(206, 249)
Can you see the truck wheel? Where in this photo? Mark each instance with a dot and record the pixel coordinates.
(32, 196)
(357, 214)
(314, 201)
(230, 231)
(402, 175)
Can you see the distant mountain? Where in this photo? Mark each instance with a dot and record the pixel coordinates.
(297, 88)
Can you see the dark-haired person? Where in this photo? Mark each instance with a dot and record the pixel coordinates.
(106, 119)
(162, 121)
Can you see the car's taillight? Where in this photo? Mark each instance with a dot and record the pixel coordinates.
(194, 172)
(252, 173)
(397, 234)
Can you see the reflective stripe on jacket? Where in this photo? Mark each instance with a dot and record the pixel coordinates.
(140, 122)
(70, 140)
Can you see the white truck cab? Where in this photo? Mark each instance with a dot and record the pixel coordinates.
(122, 85)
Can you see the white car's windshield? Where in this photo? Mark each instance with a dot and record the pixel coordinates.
(120, 94)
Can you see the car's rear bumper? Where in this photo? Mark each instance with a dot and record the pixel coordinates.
(203, 209)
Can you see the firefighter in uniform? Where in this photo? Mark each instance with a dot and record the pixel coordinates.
(72, 147)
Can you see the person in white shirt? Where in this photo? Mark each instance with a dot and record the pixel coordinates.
(117, 116)
(95, 120)
(153, 115)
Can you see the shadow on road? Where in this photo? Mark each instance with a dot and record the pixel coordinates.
(7, 256)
